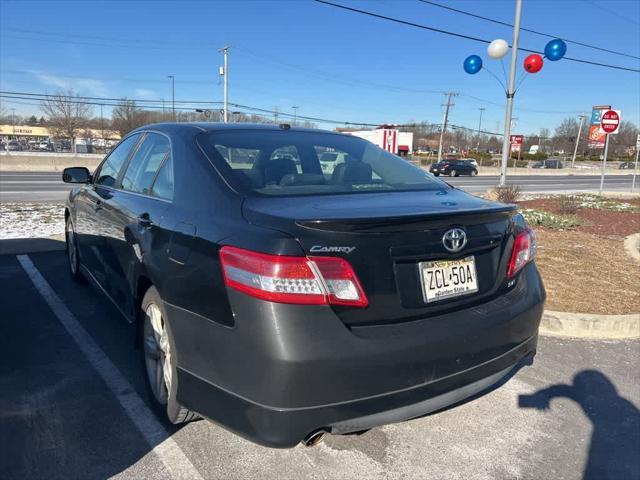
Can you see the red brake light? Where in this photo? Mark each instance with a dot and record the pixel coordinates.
(287, 279)
(524, 250)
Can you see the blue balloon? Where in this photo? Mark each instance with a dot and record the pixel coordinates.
(472, 64)
(555, 50)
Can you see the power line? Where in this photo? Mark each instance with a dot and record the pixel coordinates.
(113, 99)
(506, 24)
(106, 103)
(612, 12)
(463, 36)
(193, 104)
(359, 83)
(37, 97)
(119, 80)
(336, 79)
(250, 109)
(308, 72)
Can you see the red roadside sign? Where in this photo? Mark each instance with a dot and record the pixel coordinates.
(516, 139)
(610, 121)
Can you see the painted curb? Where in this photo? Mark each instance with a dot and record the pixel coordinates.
(632, 246)
(587, 325)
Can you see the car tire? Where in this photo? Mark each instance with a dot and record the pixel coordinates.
(437, 174)
(71, 249)
(474, 173)
(159, 360)
(453, 173)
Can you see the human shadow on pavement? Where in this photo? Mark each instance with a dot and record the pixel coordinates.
(614, 452)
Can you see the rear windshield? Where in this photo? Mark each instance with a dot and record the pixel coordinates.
(284, 162)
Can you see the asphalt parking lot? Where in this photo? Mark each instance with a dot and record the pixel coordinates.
(73, 405)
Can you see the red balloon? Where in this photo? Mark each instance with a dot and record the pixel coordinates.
(533, 63)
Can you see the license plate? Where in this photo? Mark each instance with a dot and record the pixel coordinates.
(442, 279)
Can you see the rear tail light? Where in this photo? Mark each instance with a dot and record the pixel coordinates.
(287, 279)
(524, 250)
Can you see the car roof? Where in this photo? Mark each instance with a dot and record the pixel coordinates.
(193, 127)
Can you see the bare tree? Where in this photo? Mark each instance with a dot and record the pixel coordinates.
(67, 115)
(624, 141)
(128, 116)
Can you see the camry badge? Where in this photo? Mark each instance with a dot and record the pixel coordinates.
(331, 249)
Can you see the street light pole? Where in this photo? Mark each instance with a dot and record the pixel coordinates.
(173, 96)
(225, 73)
(575, 150)
(510, 93)
(295, 114)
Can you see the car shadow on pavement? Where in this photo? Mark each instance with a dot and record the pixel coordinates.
(614, 450)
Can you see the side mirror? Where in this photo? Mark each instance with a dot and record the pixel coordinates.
(76, 175)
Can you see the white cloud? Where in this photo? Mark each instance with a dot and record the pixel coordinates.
(144, 93)
(79, 85)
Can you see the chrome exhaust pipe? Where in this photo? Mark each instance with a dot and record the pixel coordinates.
(314, 438)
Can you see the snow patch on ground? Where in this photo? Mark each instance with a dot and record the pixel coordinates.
(30, 220)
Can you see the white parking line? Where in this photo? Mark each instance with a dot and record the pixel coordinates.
(167, 450)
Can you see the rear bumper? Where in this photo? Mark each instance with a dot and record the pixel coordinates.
(284, 371)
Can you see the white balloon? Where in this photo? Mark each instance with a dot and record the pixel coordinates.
(498, 48)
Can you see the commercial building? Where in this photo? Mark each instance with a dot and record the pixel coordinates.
(30, 137)
(386, 137)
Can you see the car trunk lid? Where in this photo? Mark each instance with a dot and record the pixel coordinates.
(386, 236)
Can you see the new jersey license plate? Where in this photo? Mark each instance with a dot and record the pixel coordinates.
(442, 279)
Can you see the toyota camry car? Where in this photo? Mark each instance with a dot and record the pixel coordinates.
(283, 301)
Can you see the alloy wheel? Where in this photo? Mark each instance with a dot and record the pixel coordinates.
(157, 353)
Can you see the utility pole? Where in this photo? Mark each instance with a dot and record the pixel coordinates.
(510, 93)
(225, 73)
(295, 115)
(104, 142)
(173, 95)
(275, 115)
(635, 166)
(575, 149)
(444, 123)
(482, 109)
(13, 120)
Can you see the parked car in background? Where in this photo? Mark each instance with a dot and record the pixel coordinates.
(472, 161)
(14, 146)
(627, 165)
(285, 302)
(45, 147)
(453, 168)
(554, 163)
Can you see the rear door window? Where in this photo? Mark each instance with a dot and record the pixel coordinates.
(163, 185)
(145, 163)
(107, 174)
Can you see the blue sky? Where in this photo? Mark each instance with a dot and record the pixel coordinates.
(329, 62)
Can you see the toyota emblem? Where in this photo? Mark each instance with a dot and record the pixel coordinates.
(454, 240)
